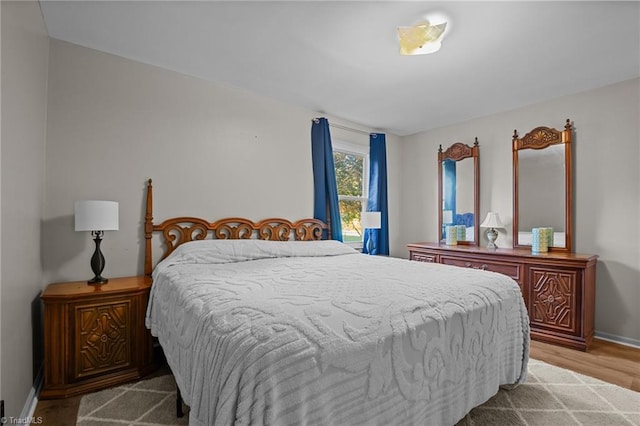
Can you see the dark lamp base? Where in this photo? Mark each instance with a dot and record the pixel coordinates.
(98, 280)
(97, 261)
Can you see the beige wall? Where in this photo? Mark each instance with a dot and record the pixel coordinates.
(25, 49)
(0, 204)
(213, 151)
(606, 187)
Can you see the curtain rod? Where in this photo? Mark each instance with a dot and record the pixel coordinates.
(349, 129)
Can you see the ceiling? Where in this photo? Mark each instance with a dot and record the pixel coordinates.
(340, 58)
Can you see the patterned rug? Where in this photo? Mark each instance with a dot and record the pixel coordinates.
(551, 396)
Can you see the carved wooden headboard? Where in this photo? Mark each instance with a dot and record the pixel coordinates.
(179, 230)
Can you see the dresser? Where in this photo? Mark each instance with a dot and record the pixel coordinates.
(94, 335)
(558, 288)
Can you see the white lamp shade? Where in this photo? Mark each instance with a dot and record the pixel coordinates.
(492, 221)
(371, 220)
(94, 215)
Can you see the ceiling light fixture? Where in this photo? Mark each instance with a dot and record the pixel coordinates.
(424, 37)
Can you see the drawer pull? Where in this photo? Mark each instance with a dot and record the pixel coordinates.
(484, 266)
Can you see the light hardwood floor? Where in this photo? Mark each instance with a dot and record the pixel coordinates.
(606, 361)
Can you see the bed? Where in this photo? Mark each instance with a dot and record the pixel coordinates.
(266, 323)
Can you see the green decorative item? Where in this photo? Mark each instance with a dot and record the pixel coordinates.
(539, 242)
(451, 235)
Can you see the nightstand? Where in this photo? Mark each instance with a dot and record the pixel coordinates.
(94, 335)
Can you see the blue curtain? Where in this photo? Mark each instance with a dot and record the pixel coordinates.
(378, 195)
(325, 189)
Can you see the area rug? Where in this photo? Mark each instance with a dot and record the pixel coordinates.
(551, 396)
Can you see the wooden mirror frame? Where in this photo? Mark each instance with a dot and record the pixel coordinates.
(540, 138)
(459, 151)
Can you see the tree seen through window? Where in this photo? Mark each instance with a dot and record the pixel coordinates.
(350, 169)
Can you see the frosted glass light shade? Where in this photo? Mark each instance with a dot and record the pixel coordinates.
(422, 38)
(371, 220)
(91, 215)
(492, 221)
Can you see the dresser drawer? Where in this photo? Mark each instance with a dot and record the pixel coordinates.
(512, 270)
(423, 257)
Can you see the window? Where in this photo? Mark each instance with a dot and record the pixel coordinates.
(352, 174)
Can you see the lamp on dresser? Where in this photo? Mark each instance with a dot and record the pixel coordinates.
(96, 217)
(493, 222)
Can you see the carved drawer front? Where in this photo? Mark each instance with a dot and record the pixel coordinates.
(510, 269)
(554, 299)
(423, 257)
(103, 338)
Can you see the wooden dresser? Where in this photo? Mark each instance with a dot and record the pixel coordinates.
(94, 335)
(558, 288)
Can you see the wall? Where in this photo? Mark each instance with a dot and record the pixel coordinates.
(0, 204)
(606, 187)
(213, 151)
(25, 48)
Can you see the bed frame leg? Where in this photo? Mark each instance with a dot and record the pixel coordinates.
(179, 412)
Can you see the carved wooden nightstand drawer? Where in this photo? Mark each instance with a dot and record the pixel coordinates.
(95, 336)
(102, 337)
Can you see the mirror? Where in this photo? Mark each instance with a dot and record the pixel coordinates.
(459, 191)
(542, 186)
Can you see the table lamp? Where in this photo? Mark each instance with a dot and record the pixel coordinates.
(493, 222)
(97, 217)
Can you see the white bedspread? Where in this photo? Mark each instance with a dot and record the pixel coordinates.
(261, 332)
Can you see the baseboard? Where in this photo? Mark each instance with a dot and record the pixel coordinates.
(32, 400)
(618, 339)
